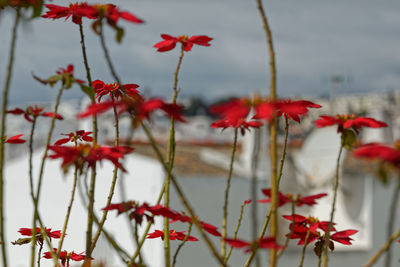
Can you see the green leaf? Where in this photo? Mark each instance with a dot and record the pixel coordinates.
(120, 33)
(22, 241)
(37, 9)
(87, 90)
(383, 173)
(68, 81)
(348, 138)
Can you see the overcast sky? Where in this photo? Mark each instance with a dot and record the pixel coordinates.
(359, 40)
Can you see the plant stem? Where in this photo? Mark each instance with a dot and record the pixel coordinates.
(273, 135)
(93, 169)
(39, 254)
(71, 201)
(183, 198)
(182, 244)
(384, 248)
(170, 161)
(107, 56)
(291, 231)
(113, 183)
(32, 189)
(283, 150)
(2, 133)
(35, 198)
(391, 220)
(335, 189)
(226, 199)
(303, 253)
(236, 232)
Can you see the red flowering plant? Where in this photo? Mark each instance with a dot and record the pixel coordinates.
(35, 5)
(66, 76)
(32, 112)
(88, 154)
(66, 257)
(173, 235)
(38, 234)
(307, 230)
(187, 42)
(80, 135)
(114, 90)
(136, 105)
(293, 109)
(16, 139)
(298, 200)
(348, 126)
(76, 11)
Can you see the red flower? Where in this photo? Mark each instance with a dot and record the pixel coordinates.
(343, 236)
(172, 235)
(80, 135)
(170, 42)
(51, 234)
(265, 242)
(113, 14)
(66, 76)
(288, 198)
(65, 256)
(136, 105)
(113, 89)
(294, 109)
(85, 153)
(379, 151)
(242, 125)
(33, 112)
(348, 122)
(14, 139)
(77, 11)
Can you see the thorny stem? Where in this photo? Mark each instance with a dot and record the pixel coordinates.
(384, 248)
(236, 232)
(2, 133)
(291, 231)
(273, 135)
(113, 183)
(44, 157)
(226, 199)
(283, 150)
(71, 201)
(170, 162)
(391, 220)
(33, 245)
(335, 189)
(303, 253)
(107, 56)
(182, 244)
(183, 198)
(93, 169)
(39, 254)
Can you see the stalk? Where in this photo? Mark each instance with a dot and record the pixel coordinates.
(291, 231)
(303, 253)
(273, 136)
(236, 232)
(33, 245)
(2, 133)
(335, 189)
(226, 200)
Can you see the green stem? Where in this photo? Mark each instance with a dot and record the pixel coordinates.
(391, 220)
(47, 240)
(44, 157)
(170, 163)
(182, 244)
(303, 253)
(226, 199)
(335, 189)
(107, 55)
(39, 254)
(113, 183)
(291, 231)
(71, 201)
(2, 133)
(384, 248)
(273, 135)
(283, 150)
(32, 189)
(236, 232)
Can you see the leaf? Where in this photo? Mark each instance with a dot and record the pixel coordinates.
(87, 90)
(120, 33)
(383, 173)
(68, 81)
(348, 139)
(37, 9)
(22, 241)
